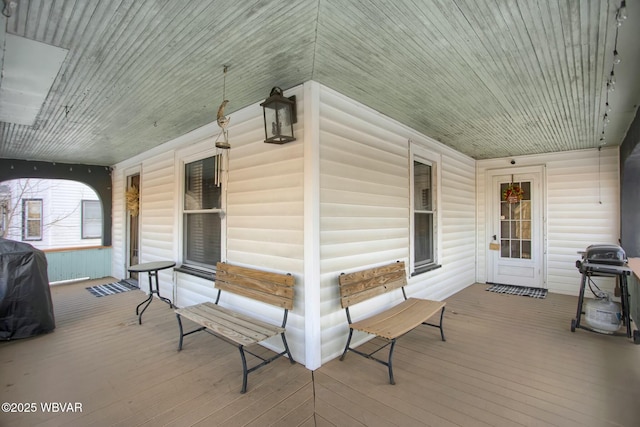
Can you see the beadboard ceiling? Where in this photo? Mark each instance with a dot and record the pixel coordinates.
(490, 78)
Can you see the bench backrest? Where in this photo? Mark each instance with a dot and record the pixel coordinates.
(264, 286)
(361, 285)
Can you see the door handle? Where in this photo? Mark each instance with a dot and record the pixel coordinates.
(494, 237)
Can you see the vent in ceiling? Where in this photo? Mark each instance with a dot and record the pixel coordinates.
(28, 72)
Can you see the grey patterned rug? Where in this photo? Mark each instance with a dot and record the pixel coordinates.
(111, 288)
(518, 290)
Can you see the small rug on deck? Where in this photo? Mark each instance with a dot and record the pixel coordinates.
(518, 290)
(111, 288)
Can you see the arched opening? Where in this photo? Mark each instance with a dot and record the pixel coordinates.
(96, 177)
(50, 213)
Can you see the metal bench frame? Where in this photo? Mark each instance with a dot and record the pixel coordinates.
(250, 283)
(362, 285)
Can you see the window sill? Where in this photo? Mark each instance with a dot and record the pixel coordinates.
(203, 274)
(425, 269)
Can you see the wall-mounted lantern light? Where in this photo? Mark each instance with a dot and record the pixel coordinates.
(279, 117)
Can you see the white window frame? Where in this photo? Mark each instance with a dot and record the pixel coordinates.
(180, 175)
(4, 217)
(423, 155)
(25, 220)
(84, 234)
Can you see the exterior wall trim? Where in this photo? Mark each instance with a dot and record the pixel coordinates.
(313, 334)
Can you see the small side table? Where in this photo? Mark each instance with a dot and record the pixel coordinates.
(152, 269)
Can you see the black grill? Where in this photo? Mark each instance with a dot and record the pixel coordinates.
(606, 254)
(609, 261)
(603, 254)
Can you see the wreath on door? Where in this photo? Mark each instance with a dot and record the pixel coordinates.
(133, 200)
(513, 193)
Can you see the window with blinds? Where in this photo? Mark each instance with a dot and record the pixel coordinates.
(423, 211)
(202, 208)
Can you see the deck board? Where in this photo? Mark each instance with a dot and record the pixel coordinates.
(507, 361)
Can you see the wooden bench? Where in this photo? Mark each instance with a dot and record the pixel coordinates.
(236, 328)
(392, 323)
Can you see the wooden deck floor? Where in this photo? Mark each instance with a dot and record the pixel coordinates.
(507, 361)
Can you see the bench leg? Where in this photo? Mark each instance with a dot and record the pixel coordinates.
(245, 372)
(184, 334)
(346, 347)
(389, 364)
(286, 348)
(181, 332)
(442, 330)
(439, 326)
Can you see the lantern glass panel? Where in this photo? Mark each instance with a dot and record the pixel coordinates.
(278, 120)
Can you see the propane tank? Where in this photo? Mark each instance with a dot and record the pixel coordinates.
(602, 314)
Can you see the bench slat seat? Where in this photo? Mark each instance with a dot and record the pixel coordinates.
(399, 319)
(222, 322)
(391, 323)
(237, 328)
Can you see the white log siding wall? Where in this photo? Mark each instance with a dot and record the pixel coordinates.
(264, 212)
(365, 210)
(157, 234)
(582, 208)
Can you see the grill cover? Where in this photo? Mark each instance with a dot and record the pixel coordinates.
(25, 298)
(605, 254)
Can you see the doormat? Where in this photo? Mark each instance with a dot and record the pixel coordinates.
(518, 290)
(111, 288)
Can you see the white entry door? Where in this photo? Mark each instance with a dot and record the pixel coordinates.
(516, 249)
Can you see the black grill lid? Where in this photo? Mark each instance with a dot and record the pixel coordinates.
(605, 254)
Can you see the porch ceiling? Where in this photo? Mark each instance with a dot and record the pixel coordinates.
(490, 78)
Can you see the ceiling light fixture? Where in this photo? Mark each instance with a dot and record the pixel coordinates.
(616, 57)
(621, 15)
(279, 117)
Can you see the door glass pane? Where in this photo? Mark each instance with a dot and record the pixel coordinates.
(515, 248)
(526, 249)
(515, 229)
(515, 211)
(526, 230)
(504, 248)
(526, 186)
(504, 230)
(525, 209)
(515, 223)
(505, 210)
